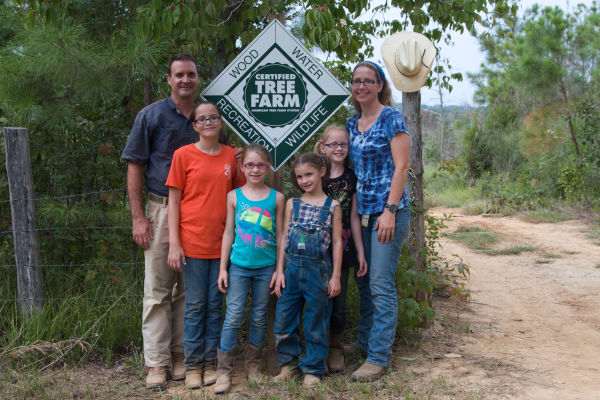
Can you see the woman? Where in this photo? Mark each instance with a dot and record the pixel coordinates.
(379, 151)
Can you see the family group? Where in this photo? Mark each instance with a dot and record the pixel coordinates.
(213, 226)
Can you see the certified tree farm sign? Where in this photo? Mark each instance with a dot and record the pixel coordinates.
(275, 93)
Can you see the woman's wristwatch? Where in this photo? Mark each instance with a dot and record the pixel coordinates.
(392, 207)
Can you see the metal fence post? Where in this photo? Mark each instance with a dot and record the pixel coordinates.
(22, 207)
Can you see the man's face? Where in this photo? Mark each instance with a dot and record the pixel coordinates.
(183, 79)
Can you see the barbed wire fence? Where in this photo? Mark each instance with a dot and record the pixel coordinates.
(79, 265)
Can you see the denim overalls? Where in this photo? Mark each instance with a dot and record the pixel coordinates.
(307, 272)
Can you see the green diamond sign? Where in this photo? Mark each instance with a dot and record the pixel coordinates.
(276, 94)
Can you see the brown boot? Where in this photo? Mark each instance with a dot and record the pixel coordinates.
(252, 359)
(224, 371)
(156, 378)
(177, 367)
(368, 372)
(210, 372)
(288, 371)
(335, 358)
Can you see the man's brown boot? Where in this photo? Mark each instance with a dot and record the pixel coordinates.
(252, 360)
(224, 371)
(156, 378)
(177, 367)
(335, 358)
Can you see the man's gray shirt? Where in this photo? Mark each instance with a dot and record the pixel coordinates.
(158, 131)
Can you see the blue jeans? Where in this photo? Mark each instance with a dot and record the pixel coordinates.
(203, 310)
(306, 281)
(240, 281)
(377, 291)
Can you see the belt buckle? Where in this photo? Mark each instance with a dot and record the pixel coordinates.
(365, 220)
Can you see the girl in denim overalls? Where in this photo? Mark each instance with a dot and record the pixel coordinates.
(313, 223)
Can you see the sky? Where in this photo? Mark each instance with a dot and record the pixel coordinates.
(465, 56)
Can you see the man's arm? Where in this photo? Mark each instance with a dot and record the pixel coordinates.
(141, 229)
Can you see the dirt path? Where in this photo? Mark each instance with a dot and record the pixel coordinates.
(532, 327)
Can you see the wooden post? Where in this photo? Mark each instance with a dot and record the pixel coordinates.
(411, 109)
(22, 207)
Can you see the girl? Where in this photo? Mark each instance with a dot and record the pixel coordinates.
(254, 220)
(201, 175)
(341, 186)
(379, 152)
(312, 223)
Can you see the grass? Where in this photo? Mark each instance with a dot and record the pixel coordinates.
(474, 237)
(477, 238)
(453, 197)
(510, 251)
(543, 215)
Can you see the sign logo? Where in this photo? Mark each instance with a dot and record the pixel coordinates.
(275, 93)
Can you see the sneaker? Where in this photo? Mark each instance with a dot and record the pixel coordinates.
(156, 378)
(288, 371)
(368, 372)
(310, 381)
(193, 379)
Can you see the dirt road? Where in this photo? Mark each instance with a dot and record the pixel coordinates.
(532, 327)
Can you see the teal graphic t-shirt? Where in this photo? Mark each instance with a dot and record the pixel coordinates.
(254, 245)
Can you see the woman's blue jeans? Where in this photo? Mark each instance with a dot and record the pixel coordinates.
(203, 310)
(240, 281)
(377, 291)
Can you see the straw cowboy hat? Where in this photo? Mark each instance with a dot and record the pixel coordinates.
(408, 57)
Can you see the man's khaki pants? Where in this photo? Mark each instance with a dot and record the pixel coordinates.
(164, 301)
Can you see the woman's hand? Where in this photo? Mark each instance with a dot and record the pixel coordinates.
(222, 281)
(385, 226)
(176, 257)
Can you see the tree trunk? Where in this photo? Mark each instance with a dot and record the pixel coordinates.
(569, 120)
(22, 207)
(411, 108)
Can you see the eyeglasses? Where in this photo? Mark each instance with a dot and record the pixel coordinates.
(335, 145)
(212, 119)
(251, 166)
(366, 82)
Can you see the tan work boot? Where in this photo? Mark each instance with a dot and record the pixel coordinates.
(156, 378)
(310, 381)
(210, 372)
(252, 359)
(288, 371)
(368, 372)
(193, 379)
(177, 367)
(224, 371)
(335, 358)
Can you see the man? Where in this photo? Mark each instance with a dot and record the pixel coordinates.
(159, 130)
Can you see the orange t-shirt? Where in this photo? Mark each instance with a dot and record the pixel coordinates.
(204, 181)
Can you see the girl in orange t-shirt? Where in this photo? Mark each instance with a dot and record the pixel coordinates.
(201, 175)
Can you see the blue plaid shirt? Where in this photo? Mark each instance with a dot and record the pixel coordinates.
(371, 158)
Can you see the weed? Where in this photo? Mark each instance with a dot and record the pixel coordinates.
(474, 237)
(543, 215)
(542, 261)
(550, 255)
(510, 251)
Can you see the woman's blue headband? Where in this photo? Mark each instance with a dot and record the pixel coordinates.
(379, 70)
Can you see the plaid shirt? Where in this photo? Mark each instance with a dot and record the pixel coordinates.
(308, 215)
